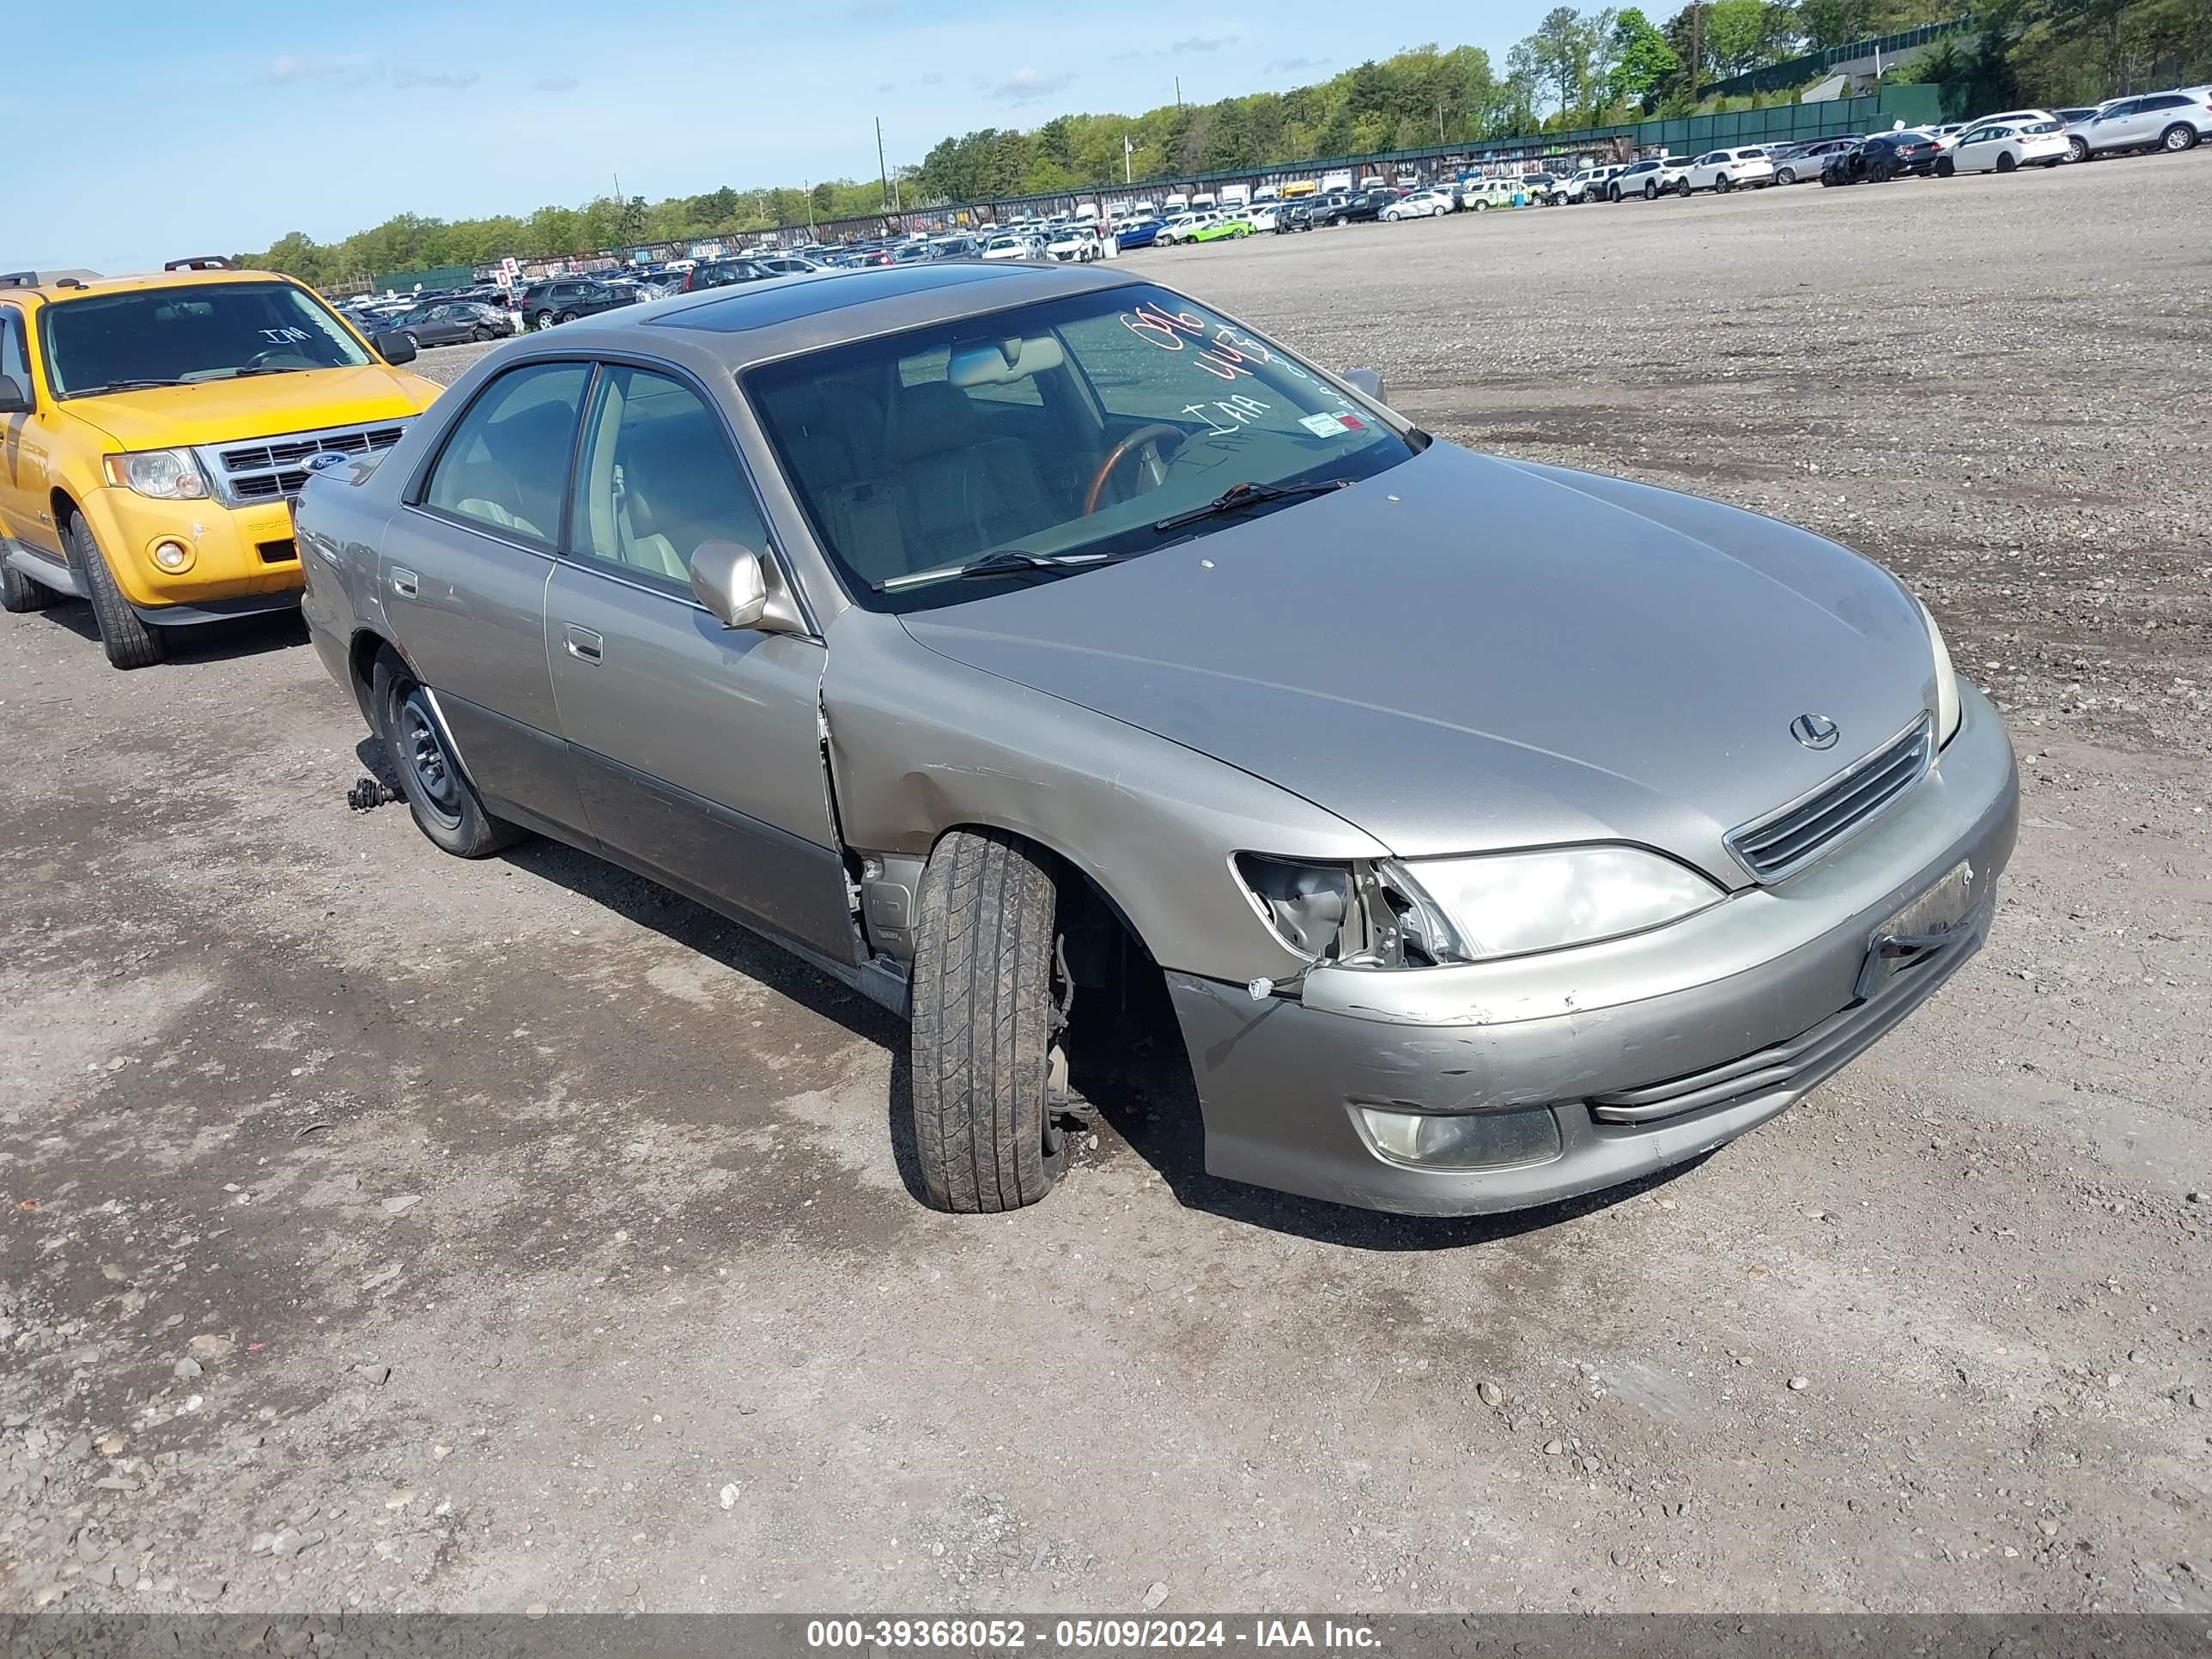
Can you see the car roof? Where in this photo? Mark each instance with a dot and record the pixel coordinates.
(64, 285)
(739, 327)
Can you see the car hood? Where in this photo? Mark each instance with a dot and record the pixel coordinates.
(1465, 653)
(225, 411)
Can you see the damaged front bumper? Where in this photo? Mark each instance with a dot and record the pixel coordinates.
(1641, 1052)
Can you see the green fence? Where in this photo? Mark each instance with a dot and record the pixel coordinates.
(1915, 105)
(403, 281)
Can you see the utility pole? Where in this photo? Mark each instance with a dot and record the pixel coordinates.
(1178, 80)
(1697, 50)
(882, 171)
(1128, 149)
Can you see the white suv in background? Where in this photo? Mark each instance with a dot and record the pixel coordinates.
(2172, 121)
(1723, 170)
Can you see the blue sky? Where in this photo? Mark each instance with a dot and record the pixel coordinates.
(152, 129)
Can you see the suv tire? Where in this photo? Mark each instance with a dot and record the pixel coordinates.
(19, 593)
(982, 1044)
(126, 637)
(2178, 137)
(439, 795)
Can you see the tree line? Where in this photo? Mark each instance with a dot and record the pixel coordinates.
(1577, 69)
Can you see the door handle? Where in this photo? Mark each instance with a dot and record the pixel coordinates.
(584, 645)
(403, 582)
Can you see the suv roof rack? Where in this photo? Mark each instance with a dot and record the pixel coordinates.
(202, 262)
(19, 279)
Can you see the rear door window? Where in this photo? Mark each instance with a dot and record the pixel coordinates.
(505, 466)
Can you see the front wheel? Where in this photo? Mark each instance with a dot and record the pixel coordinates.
(982, 1038)
(1651, 191)
(129, 640)
(480, 333)
(1613, 195)
(1682, 188)
(2078, 148)
(439, 795)
(2178, 137)
(1945, 166)
(568, 316)
(1786, 177)
(1724, 184)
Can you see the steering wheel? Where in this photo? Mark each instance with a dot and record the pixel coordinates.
(1147, 436)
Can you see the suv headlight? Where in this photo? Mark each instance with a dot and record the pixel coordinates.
(168, 475)
(1947, 711)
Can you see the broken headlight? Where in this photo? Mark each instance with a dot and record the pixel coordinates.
(1510, 904)
(1423, 913)
(1304, 903)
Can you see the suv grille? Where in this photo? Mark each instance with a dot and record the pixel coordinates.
(272, 470)
(1784, 842)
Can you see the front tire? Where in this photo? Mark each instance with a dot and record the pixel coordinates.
(982, 1055)
(129, 640)
(1682, 188)
(2078, 148)
(1786, 177)
(443, 801)
(1945, 166)
(568, 316)
(1724, 185)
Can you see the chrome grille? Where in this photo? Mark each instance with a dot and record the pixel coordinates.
(1786, 841)
(270, 470)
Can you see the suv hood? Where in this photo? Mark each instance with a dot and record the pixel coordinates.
(261, 406)
(1465, 653)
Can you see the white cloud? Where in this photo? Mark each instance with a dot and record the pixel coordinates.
(1025, 86)
(292, 68)
(408, 76)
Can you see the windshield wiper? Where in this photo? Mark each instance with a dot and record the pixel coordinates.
(120, 385)
(994, 564)
(1239, 496)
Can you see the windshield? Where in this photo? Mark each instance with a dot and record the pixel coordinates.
(1076, 426)
(199, 331)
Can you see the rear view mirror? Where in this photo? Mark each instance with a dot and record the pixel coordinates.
(13, 399)
(394, 347)
(1366, 381)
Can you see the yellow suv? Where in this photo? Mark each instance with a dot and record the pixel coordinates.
(154, 431)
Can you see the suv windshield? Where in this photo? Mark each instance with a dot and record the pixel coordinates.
(1073, 425)
(195, 331)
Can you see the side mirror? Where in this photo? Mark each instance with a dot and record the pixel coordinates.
(394, 347)
(1366, 381)
(13, 399)
(738, 586)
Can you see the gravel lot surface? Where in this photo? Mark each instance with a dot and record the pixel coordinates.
(389, 1231)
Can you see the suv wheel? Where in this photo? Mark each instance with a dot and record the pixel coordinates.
(1650, 190)
(2178, 137)
(568, 316)
(541, 319)
(2077, 148)
(124, 634)
(442, 799)
(1682, 188)
(1724, 184)
(19, 593)
(981, 1054)
(1786, 177)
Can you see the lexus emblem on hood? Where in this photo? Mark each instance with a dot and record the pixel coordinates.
(1813, 731)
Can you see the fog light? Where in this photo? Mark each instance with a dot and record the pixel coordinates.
(1464, 1140)
(173, 557)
